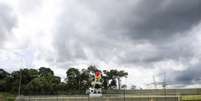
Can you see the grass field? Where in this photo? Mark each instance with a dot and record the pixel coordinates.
(191, 98)
(10, 97)
(7, 97)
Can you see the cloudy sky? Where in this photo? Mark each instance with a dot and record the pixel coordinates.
(147, 38)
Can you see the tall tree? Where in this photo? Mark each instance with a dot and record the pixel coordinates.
(3, 73)
(121, 74)
(43, 71)
(27, 75)
(73, 78)
(46, 82)
(110, 76)
(114, 75)
(84, 79)
(106, 79)
(4, 80)
(92, 69)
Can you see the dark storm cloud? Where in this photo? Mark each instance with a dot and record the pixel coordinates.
(191, 75)
(127, 32)
(153, 19)
(7, 22)
(162, 18)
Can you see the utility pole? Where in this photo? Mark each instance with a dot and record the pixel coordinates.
(125, 94)
(20, 80)
(164, 85)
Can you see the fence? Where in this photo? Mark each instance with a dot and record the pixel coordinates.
(110, 97)
(164, 92)
(195, 91)
(116, 95)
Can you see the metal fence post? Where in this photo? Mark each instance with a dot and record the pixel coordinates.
(124, 94)
(179, 98)
(88, 98)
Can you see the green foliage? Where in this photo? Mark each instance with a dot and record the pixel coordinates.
(3, 74)
(43, 80)
(113, 75)
(92, 69)
(7, 97)
(45, 71)
(81, 80)
(43, 85)
(46, 82)
(27, 75)
(84, 79)
(4, 80)
(73, 78)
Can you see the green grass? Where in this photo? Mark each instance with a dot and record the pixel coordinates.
(7, 96)
(10, 97)
(191, 98)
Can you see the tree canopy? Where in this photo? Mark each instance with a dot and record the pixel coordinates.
(43, 80)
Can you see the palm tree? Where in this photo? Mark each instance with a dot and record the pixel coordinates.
(119, 76)
(114, 75)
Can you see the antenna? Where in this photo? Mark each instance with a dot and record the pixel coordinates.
(164, 84)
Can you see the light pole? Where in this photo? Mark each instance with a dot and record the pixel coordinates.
(125, 90)
(20, 80)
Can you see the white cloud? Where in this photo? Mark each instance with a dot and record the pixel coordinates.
(60, 34)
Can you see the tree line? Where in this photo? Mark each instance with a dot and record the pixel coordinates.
(44, 81)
